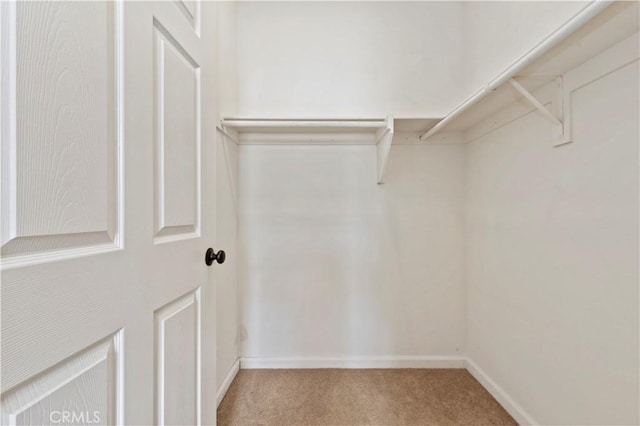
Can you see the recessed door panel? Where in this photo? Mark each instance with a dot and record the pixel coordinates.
(191, 10)
(178, 361)
(84, 389)
(59, 127)
(177, 78)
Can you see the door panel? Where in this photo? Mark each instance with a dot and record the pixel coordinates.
(177, 106)
(61, 177)
(108, 206)
(59, 189)
(178, 361)
(191, 11)
(84, 389)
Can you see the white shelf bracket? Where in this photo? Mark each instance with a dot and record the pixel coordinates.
(561, 134)
(562, 109)
(384, 138)
(232, 181)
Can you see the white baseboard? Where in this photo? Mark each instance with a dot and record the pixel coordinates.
(224, 387)
(357, 362)
(512, 407)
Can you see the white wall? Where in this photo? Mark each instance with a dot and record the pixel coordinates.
(350, 58)
(227, 93)
(499, 32)
(334, 265)
(375, 58)
(552, 260)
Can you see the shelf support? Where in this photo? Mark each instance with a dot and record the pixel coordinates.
(560, 133)
(223, 132)
(384, 138)
(568, 28)
(232, 180)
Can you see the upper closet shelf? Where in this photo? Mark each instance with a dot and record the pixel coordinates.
(323, 131)
(589, 32)
(304, 125)
(347, 131)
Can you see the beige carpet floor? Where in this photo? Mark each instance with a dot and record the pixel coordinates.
(359, 397)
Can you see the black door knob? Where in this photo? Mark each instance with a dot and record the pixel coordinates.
(211, 255)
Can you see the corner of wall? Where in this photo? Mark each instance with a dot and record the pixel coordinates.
(512, 407)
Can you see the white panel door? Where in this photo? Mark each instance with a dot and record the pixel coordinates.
(107, 210)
